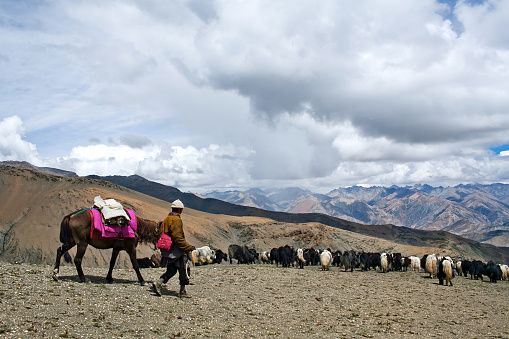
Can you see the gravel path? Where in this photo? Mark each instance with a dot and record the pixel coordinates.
(255, 301)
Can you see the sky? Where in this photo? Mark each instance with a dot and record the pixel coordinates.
(223, 95)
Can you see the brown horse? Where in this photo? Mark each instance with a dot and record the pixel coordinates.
(75, 231)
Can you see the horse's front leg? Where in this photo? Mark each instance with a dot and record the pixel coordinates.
(80, 252)
(134, 262)
(114, 255)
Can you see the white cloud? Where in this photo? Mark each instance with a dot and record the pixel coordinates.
(485, 23)
(186, 167)
(12, 145)
(232, 94)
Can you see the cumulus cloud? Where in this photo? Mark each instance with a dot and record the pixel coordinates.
(373, 71)
(187, 167)
(232, 94)
(12, 145)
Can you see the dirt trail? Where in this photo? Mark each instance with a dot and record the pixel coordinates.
(255, 301)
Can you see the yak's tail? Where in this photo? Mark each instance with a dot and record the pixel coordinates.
(65, 233)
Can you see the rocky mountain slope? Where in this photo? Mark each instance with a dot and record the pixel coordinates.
(48, 170)
(34, 204)
(466, 210)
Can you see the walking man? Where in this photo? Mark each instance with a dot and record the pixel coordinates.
(177, 255)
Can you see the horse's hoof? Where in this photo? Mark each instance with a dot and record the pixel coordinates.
(143, 283)
(55, 275)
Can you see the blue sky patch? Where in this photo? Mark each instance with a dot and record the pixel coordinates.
(457, 25)
(499, 148)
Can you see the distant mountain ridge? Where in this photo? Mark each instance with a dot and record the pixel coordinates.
(467, 210)
(398, 234)
(47, 170)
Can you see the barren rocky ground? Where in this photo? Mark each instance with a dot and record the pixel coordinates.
(255, 301)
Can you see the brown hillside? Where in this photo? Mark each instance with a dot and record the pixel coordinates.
(34, 203)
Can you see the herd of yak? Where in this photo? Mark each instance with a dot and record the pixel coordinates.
(436, 266)
(444, 268)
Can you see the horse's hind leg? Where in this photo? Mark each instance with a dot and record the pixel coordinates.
(56, 269)
(114, 255)
(60, 252)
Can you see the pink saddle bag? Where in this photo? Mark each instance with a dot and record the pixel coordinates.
(164, 242)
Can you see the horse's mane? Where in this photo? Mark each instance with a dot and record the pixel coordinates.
(147, 230)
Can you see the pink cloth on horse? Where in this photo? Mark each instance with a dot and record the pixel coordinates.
(99, 230)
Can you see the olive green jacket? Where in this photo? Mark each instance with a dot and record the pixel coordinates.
(172, 225)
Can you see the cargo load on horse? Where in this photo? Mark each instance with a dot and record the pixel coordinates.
(112, 211)
(110, 220)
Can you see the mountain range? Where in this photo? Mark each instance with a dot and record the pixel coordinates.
(479, 212)
(34, 203)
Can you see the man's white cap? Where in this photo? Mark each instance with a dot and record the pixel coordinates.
(177, 204)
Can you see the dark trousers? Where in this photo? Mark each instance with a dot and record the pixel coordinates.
(174, 266)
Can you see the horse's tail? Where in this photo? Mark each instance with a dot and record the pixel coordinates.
(65, 233)
(65, 230)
